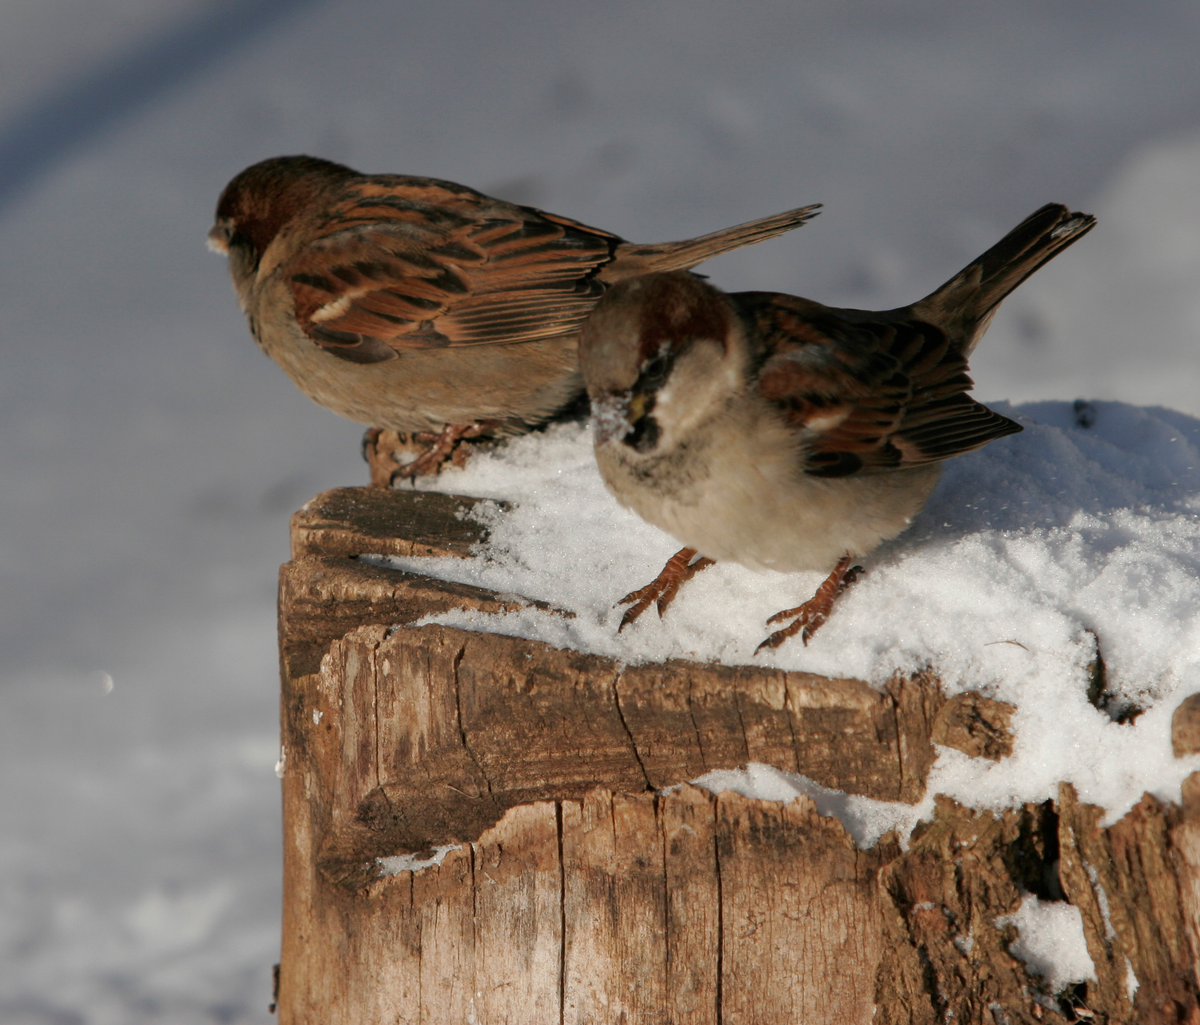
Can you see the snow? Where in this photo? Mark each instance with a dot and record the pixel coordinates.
(1029, 553)
(1131, 981)
(150, 456)
(394, 865)
(865, 818)
(1051, 943)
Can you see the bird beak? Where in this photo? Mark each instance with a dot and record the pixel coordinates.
(218, 239)
(610, 417)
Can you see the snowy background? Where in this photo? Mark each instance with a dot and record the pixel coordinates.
(150, 456)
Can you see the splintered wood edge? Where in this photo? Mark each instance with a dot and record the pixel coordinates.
(416, 737)
(690, 883)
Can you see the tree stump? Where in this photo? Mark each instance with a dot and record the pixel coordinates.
(485, 829)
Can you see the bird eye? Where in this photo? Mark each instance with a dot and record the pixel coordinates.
(654, 374)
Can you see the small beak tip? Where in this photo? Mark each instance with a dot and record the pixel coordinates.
(217, 241)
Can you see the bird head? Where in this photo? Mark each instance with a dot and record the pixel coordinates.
(261, 200)
(659, 353)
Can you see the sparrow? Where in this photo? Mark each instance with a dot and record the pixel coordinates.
(782, 434)
(419, 307)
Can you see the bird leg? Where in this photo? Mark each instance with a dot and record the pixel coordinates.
(379, 446)
(812, 614)
(433, 450)
(441, 447)
(663, 588)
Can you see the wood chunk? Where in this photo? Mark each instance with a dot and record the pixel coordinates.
(426, 735)
(682, 718)
(614, 911)
(323, 599)
(1185, 727)
(687, 719)
(587, 882)
(693, 930)
(518, 918)
(799, 922)
(944, 956)
(1124, 882)
(347, 522)
(523, 704)
(915, 700)
(976, 725)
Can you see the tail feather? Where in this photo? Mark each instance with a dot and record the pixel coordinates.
(964, 305)
(632, 259)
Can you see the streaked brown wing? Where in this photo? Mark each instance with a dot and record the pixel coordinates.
(877, 391)
(413, 263)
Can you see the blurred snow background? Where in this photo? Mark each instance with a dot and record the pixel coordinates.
(150, 456)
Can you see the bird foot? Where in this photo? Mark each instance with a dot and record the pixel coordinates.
(808, 618)
(381, 446)
(663, 588)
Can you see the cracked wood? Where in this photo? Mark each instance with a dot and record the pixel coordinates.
(580, 883)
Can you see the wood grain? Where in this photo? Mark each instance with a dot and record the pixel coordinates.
(582, 879)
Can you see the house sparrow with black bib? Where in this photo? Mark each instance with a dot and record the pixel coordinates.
(782, 434)
(424, 308)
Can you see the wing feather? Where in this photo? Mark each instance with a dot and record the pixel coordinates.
(869, 391)
(413, 263)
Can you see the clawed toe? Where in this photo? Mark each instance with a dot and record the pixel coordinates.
(640, 601)
(379, 446)
(640, 606)
(434, 450)
(663, 588)
(808, 618)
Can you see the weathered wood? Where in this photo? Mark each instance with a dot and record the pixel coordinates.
(519, 918)
(687, 719)
(322, 599)
(680, 908)
(693, 926)
(1185, 854)
(581, 879)
(442, 730)
(354, 521)
(800, 937)
(1124, 882)
(1185, 727)
(614, 910)
(945, 957)
(1134, 883)
(975, 725)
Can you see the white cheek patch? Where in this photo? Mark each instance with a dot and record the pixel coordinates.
(700, 387)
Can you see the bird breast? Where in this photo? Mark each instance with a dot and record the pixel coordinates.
(511, 386)
(737, 491)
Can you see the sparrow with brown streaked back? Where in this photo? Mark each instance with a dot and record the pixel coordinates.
(782, 434)
(419, 306)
